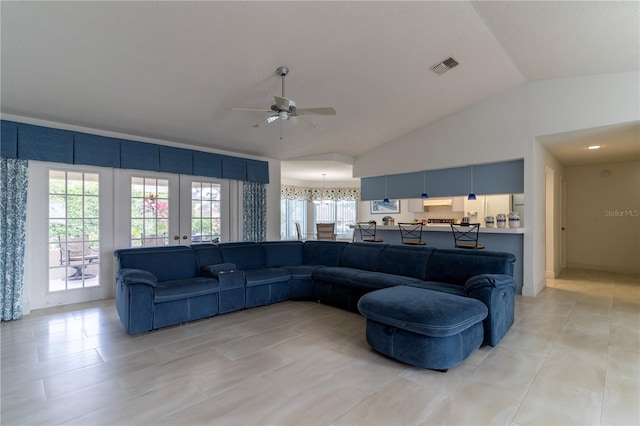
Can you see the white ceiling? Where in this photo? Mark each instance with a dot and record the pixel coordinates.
(171, 70)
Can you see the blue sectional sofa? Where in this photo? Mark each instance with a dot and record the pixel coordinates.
(162, 286)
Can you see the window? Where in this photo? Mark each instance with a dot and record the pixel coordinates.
(343, 213)
(74, 230)
(149, 212)
(205, 212)
(292, 211)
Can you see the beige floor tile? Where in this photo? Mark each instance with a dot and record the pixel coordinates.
(621, 402)
(552, 403)
(307, 363)
(508, 368)
(623, 364)
(586, 341)
(575, 369)
(476, 403)
(400, 402)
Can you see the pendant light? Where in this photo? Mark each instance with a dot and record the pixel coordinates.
(324, 191)
(471, 196)
(424, 194)
(386, 198)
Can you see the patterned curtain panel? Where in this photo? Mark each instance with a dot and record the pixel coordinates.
(254, 206)
(291, 192)
(13, 214)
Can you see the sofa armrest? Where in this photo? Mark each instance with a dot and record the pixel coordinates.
(489, 281)
(497, 292)
(215, 270)
(140, 276)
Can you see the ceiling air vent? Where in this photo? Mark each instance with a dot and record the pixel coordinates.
(444, 66)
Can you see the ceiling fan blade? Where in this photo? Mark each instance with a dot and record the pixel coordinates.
(250, 109)
(316, 111)
(267, 121)
(284, 104)
(301, 122)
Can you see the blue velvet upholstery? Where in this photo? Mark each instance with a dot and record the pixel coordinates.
(283, 253)
(430, 313)
(456, 266)
(243, 255)
(361, 256)
(326, 253)
(160, 286)
(424, 328)
(405, 261)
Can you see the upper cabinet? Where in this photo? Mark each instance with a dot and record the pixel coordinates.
(495, 178)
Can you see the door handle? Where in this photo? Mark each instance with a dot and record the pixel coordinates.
(175, 237)
(184, 237)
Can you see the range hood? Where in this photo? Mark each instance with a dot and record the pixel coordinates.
(437, 202)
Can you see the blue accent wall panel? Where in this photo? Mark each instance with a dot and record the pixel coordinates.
(499, 178)
(176, 160)
(234, 168)
(257, 171)
(207, 164)
(45, 144)
(372, 188)
(9, 139)
(140, 156)
(405, 185)
(96, 150)
(449, 182)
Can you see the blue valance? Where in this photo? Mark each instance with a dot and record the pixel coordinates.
(29, 142)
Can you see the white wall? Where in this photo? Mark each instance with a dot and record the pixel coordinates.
(504, 127)
(604, 217)
(554, 178)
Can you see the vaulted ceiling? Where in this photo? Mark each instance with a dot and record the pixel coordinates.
(172, 70)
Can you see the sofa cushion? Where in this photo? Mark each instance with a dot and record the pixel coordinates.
(335, 275)
(301, 271)
(426, 312)
(325, 253)
(456, 266)
(207, 254)
(438, 286)
(405, 260)
(243, 255)
(281, 253)
(265, 276)
(166, 263)
(167, 291)
(362, 256)
(377, 280)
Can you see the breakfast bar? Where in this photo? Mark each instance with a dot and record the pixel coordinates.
(440, 236)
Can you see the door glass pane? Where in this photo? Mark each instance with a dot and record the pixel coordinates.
(74, 230)
(205, 212)
(149, 212)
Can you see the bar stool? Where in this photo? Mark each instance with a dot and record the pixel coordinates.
(466, 236)
(411, 234)
(368, 232)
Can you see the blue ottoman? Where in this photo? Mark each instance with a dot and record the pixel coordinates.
(421, 327)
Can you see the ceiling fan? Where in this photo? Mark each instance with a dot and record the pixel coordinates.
(285, 109)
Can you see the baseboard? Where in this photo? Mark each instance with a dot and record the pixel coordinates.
(605, 268)
(535, 289)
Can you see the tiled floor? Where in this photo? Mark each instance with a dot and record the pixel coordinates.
(573, 357)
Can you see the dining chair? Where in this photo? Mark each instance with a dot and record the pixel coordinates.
(466, 236)
(368, 232)
(326, 231)
(411, 233)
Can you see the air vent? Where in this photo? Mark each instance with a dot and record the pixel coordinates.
(444, 66)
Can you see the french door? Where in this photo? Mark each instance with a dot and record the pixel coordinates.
(156, 209)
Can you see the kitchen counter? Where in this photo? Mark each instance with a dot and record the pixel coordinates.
(447, 228)
(440, 236)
